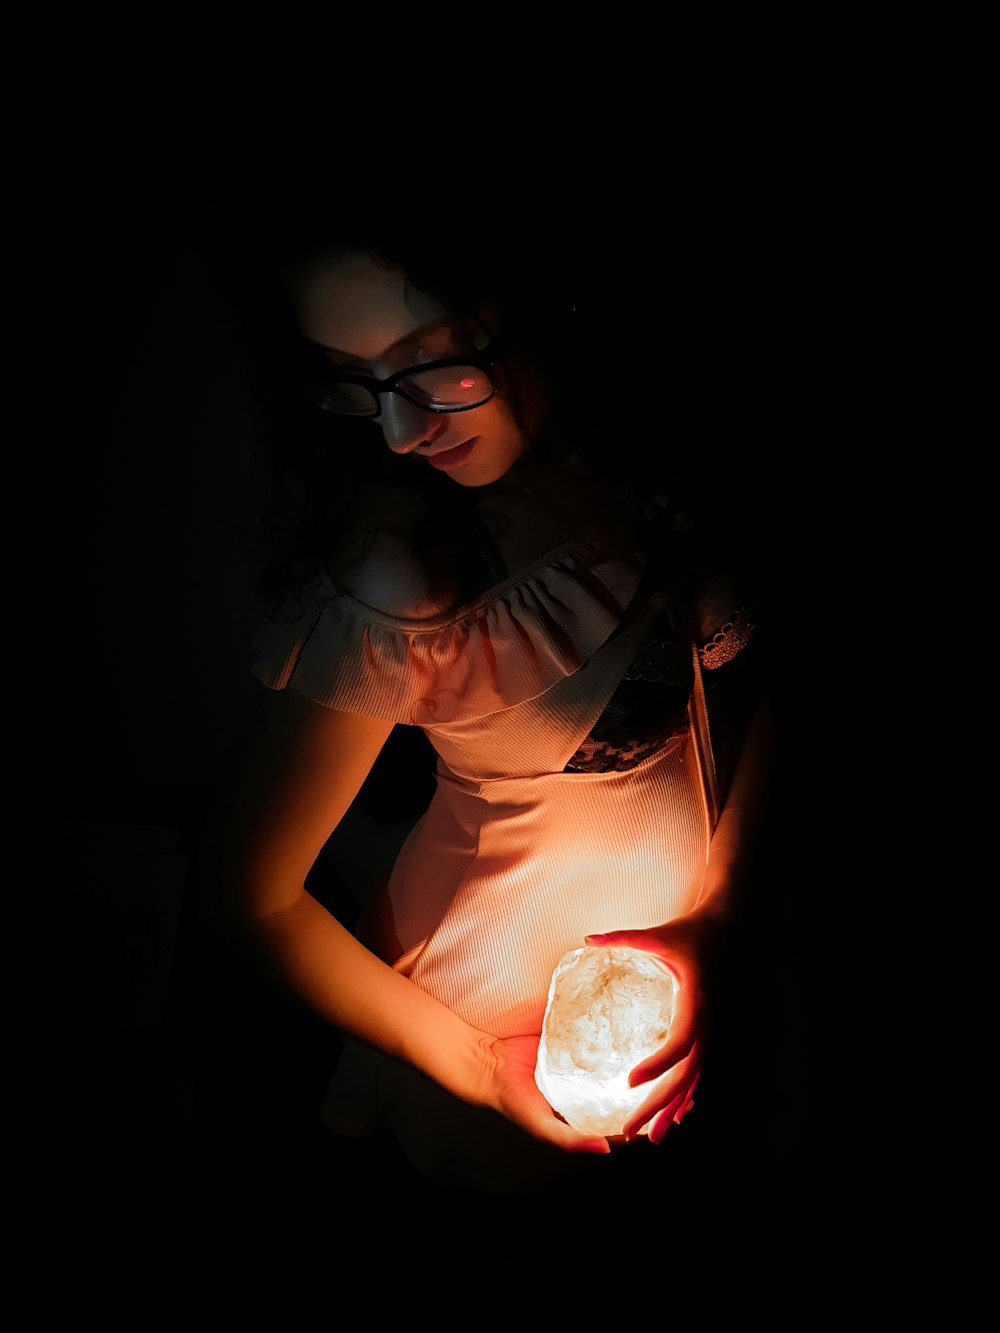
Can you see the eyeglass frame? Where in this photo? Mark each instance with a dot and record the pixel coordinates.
(483, 359)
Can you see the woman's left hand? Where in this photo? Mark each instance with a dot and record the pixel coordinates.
(687, 946)
(516, 1095)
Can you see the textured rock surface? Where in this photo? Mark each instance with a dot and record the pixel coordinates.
(608, 1008)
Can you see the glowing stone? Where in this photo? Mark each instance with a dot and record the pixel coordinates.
(608, 1008)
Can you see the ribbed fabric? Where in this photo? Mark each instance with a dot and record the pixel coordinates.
(512, 644)
(516, 860)
(544, 861)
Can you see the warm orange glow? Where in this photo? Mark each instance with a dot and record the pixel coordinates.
(608, 1009)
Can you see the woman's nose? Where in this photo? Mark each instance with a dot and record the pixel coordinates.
(407, 426)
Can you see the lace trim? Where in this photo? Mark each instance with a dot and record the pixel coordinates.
(595, 756)
(734, 636)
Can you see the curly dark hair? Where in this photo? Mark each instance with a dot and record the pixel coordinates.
(608, 343)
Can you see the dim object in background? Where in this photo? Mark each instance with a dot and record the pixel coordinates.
(609, 1007)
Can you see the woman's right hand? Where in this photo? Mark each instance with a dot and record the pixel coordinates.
(512, 1090)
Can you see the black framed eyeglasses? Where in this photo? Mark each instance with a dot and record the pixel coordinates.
(452, 384)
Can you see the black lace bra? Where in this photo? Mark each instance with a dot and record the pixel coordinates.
(649, 708)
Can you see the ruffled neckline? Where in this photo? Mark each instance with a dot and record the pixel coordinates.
(581, 550)
(512, 643)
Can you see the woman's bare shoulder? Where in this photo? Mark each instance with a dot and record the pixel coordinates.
(376, 561)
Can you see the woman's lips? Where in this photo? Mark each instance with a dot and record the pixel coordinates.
(449, 458)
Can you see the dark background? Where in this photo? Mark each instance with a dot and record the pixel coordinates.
(129, 426)
(180, 1140)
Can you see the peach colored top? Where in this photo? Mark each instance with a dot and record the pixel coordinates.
(518, 856)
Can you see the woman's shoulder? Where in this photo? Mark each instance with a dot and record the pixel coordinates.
(378, 633)
(411, 561)
(377, 562)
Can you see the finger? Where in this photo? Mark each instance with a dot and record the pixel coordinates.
(662, 1120)
(670, 1096)
(665, 1119)
(680, 1042)
(564, 1136)
(657, 1119)
(661, 1123)
(599, 1147)
(690, 1101)
(671, 1093)
(633, 939)
(667, 1104)
(533, 1113)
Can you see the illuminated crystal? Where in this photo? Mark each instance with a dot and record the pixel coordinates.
(608, 1008)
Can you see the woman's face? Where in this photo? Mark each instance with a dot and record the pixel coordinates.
(372, 322)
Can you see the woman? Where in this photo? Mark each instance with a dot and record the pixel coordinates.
(489, 553)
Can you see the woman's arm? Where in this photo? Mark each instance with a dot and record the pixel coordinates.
(304, 767)
(743, 815)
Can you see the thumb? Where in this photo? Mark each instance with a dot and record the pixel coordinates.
(636, 939)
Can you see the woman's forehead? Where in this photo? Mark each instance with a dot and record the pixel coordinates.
(352, 304)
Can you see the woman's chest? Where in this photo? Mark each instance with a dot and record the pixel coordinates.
(526, 518)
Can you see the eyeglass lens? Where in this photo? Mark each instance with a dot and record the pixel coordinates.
(439, 389)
